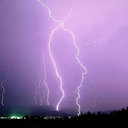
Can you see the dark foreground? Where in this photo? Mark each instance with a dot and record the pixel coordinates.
(80, 123)
(116, 118)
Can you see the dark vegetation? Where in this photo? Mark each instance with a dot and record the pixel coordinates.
(99, 119)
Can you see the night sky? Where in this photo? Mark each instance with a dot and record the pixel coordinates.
(101, 32)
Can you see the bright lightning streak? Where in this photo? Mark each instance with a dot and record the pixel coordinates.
(46, 83)
(59, 21)
(84, 73)
(49, 46)
(61, 24)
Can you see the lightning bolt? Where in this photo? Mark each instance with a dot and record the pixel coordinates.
(42, 99)
(2, 82)
(46, 82)
(8, 69)
(49, 47)
(37, 92)
(61, 24)
(38, 88)
(56, 70)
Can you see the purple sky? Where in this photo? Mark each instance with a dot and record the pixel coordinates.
(101, 31)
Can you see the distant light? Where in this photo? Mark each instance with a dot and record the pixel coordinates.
(46, 117)
(12, 117)
(2, 117)
(18, 117)
(15, 117)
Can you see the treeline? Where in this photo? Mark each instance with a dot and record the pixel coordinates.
(100, 119)
(115, 118)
